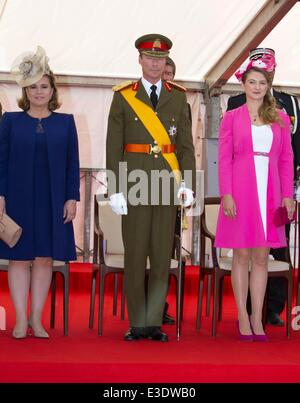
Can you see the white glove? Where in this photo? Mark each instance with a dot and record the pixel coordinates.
(118, 203)
(185, 195)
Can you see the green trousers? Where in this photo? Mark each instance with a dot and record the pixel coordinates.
(148, 231)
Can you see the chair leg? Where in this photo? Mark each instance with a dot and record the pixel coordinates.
(92, 301)
(115, 303)
(101, 301)
(220, 299)
(209, 281)
(123, 298)
(215, 302)
(66, 301)
(200, 299)
(182, 289)
(53, 300)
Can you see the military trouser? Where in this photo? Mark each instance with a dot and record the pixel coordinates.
(148, 231)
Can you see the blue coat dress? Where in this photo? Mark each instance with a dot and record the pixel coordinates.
(39, 172)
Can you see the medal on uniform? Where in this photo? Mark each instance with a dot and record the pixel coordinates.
(172, 130)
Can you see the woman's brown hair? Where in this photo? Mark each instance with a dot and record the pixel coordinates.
(268, 111)
(53, 104)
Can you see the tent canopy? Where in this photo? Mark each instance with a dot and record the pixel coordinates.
(96, 38)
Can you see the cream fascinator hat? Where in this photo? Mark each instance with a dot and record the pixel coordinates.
(28, 68)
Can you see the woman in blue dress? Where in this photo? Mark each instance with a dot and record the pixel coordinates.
(39, 187)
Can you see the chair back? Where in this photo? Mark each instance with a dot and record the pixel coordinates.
(211, 217)
(209, 221)
(111, 227)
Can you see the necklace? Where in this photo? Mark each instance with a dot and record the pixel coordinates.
(254, 117)
(39, 127)
(253, 113)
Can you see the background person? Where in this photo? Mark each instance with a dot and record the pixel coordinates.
(169, 70)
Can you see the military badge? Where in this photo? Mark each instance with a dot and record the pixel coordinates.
(157, 43)
(292, 120)
(172, 130)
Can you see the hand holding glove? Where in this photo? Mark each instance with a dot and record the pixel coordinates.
(118, 203)
(185, 195)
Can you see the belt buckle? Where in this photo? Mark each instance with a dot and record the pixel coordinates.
(154, 149)
(261, 153)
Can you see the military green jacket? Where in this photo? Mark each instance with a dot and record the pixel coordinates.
(124, 127)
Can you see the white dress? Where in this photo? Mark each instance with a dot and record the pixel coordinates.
(262, 138)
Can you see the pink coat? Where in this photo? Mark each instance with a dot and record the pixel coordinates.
(237, 177)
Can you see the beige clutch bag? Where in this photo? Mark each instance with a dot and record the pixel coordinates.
(10, 231)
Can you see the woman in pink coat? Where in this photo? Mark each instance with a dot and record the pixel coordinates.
(255, 178)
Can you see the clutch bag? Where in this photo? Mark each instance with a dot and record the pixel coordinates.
(10, 231)
(281, 217)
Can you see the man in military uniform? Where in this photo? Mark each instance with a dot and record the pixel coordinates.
(149, 129)
(170, 70)
(276, 291)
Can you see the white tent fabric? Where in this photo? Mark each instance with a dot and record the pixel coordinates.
(97, 37)
(285, 40)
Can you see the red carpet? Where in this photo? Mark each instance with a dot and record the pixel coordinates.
(197, 357)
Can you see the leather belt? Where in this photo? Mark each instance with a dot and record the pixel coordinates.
(261, 153)
(149, 149)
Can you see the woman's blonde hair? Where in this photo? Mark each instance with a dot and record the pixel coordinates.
(268, 111)
(53, 104)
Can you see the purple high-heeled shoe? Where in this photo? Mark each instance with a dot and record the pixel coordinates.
(258, 337)
(244, 337)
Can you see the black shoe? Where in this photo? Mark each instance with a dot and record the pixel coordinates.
(274, 319)
(154, 333)
(167, 319)
(134, 333)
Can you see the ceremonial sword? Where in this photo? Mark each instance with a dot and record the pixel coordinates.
(179, 285)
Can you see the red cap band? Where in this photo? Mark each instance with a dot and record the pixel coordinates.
(149, 45)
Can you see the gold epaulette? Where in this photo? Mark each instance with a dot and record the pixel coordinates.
(177, 86)
(121, 86)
